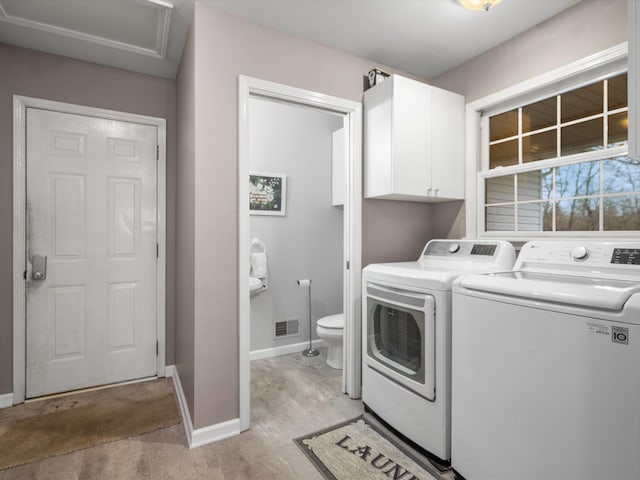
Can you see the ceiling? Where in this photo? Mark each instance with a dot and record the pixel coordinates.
(145, 36)
(423, 37)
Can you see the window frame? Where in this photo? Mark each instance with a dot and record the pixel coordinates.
(593, 68)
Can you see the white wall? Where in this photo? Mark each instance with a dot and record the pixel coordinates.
(307, 241)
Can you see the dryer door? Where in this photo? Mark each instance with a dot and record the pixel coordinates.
(399, 332)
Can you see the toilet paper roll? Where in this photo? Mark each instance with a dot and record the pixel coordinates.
(304, 283)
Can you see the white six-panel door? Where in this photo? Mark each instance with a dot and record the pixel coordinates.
(91, 210)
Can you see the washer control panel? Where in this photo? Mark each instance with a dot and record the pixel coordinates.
(626, 256)
(579, 253)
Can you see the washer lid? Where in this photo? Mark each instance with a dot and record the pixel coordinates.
(332, 321)
(602, 293)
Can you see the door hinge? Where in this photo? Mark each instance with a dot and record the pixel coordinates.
(348, 265)
(157, 250)
(25, 274)
(157, 347)
(157, 152)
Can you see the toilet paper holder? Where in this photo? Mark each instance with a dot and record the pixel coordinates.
(310, 352)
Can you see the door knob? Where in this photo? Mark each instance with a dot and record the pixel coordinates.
(39, 267)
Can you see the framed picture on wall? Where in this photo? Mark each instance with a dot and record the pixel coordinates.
(267, 193)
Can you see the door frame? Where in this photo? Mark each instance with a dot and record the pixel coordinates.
(352, 250)
(20, 105)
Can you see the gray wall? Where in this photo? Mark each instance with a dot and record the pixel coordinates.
(226, 46)
(582, 30)
(34, 74)
(307, 242)
(185, 221)
(395, 231)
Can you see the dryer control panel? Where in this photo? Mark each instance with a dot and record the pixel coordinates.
(458, 248)
(469, 251)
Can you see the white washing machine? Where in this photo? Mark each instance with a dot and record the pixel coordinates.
(546, 366)
(407, 336)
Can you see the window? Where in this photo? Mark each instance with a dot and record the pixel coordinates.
(558, 163)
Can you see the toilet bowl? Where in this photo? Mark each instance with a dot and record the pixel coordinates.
(331, 330)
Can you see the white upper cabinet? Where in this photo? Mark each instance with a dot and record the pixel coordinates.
(633, 78)
(414, 142)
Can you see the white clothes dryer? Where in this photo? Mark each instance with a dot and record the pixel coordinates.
(546, 365)
(407, 337)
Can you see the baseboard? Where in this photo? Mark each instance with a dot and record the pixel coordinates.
(285, 349)
(6, 400)
(201, 436)
(213, 433)
(172, 372)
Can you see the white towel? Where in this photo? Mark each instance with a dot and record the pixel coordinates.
(259, 264)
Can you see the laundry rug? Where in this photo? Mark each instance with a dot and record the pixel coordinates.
(357, 450)
(57, 425)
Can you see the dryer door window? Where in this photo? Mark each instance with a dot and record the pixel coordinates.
(398, 337)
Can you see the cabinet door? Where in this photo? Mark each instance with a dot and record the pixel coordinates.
(411, 133)
(377, 139)
(338, 172)
(447, 148)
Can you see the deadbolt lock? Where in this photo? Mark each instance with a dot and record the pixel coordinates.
(39, 267)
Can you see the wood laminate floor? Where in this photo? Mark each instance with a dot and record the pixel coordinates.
(291, 396)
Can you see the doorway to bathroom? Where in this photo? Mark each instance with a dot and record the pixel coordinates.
(299, 225)
(295, 224)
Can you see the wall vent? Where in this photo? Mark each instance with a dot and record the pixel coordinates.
(287, 328)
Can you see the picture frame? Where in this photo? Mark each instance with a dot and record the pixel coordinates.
(267, 193)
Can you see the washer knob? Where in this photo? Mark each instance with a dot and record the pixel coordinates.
(579, 253)
(454, 247)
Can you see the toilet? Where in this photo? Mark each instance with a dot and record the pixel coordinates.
(331, 330)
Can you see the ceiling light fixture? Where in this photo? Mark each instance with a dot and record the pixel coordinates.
(478, 5)
(161, 3)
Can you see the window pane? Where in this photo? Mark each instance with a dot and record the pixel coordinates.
(617, 91)
(503, 154)
(500, 219)
(539, 146)
(582, 102)
(582, 137)
(499, 189)
(618, 129)
(536, 185)
(539, 115)
(621, 175)
(504, 125)
(535, 217)
(577, 215)
(578, 180)
(622, 213)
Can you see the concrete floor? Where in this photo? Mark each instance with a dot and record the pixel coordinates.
(291, 396)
